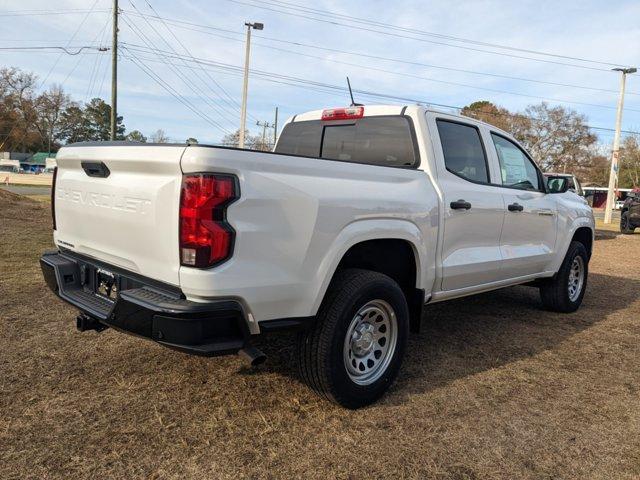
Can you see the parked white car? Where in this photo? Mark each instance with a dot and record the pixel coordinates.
(573, 182)
(360, 217)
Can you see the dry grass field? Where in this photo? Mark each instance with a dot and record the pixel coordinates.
(493, 387)
(26, 179)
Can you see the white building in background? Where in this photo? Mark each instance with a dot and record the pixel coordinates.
(50, 164)
(10, 161)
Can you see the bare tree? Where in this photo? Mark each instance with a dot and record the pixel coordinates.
(630, 162)
(50, 106)
(18, 115)
(557, 137)
(252, 142)
(159, 137)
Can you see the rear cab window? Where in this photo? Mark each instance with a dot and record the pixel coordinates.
(376, 140)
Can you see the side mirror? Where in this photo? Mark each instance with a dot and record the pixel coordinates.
(557, 184)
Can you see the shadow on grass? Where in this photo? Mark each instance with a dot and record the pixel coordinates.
(606, 234)
(466, 336)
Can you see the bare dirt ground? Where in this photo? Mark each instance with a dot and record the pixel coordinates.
(493, 387)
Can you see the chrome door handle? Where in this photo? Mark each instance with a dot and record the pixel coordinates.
(547, 212)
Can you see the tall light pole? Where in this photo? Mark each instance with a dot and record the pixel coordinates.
(114, 72)
(613, 174)
(245, 83)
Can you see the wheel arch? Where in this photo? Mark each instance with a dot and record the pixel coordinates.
(584, 235)
(582, 229)
(391, 247)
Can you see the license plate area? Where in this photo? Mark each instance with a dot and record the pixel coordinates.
(107, 284)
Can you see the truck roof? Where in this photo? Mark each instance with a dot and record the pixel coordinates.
(377, 110)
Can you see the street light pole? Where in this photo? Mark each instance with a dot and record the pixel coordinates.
(114, 72)
(245, 83)
(613, 174)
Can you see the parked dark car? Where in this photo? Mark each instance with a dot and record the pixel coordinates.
(630, 215)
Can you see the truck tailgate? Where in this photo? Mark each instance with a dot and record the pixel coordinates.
(125, 214)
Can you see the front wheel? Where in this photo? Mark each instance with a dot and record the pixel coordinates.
(564, 292)
(353, 352)
(625, 223)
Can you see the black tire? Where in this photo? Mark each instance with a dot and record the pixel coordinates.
(555, 291)
(625, 224)
(320, 349)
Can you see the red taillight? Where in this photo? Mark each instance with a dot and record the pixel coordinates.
(53, 196)
(343, 113)
(206, 238)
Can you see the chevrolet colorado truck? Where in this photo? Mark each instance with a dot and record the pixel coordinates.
(357, 219)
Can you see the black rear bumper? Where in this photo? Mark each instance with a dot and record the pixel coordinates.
(146, 308)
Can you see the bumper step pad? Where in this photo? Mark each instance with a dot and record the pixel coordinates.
(212, 328)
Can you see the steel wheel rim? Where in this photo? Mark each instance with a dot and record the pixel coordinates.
(370, 342)
(576, 278)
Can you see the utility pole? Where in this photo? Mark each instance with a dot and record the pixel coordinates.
(275, 129)
(245, 83)
(114, 72)
(264, 126)
(613, 174)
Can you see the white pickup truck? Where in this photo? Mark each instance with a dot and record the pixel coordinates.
(360, 217)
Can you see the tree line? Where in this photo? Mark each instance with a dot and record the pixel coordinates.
(33, 120)
(558, 138)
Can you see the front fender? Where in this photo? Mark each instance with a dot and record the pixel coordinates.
(570, 226)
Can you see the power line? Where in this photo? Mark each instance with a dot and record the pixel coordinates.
(351, 18)
(33, 13)
(329, 88)
(180, 75)
(595, 105)
(193, 86)
(93, 42)
(96, 64)
(232, 102)
(446, 82)
(180, 98)
(53, 66)
(398, 35)
(84, 19)
(52, 47)
(185, 24)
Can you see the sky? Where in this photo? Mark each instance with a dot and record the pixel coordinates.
(182, 73)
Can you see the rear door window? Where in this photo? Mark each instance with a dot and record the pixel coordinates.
(383, 140)
(463, 152)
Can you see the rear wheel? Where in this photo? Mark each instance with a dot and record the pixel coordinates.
(625, 223)
(353, 352)
(564, 292)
